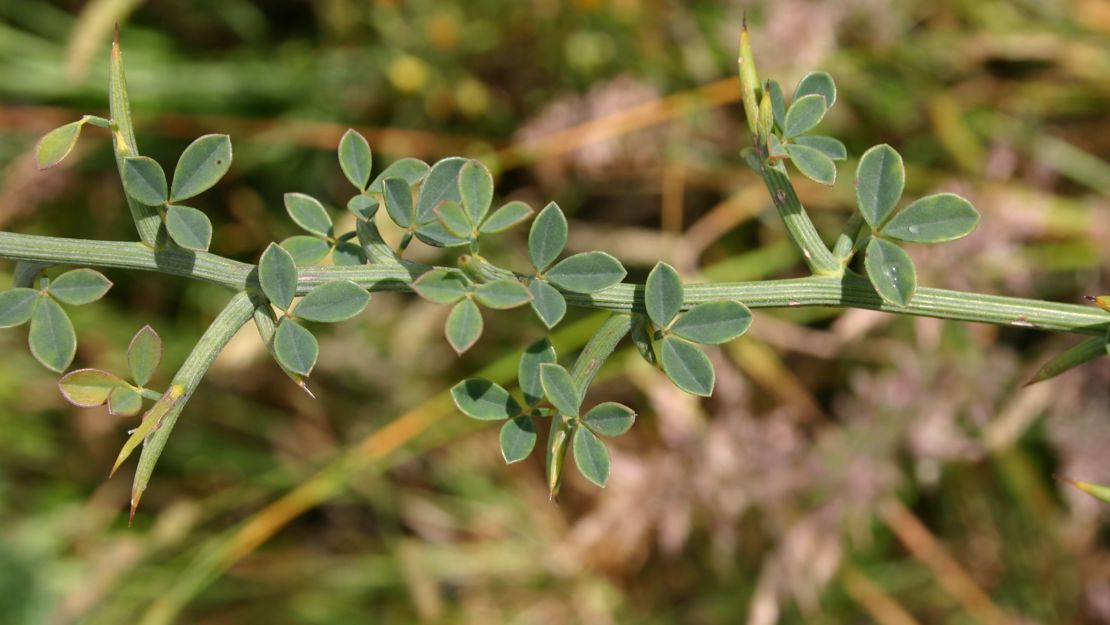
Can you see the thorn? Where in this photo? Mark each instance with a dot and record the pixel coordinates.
(1066, 480)
(1090, 298)
(134, 506)
(304, 387)
(115, 39)
(744, 22)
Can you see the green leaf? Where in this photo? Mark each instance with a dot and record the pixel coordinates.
(52, 339)
(333, 301)
(295, 348)
(277, 274)
(363, 206)
(144, 180)
(188, 227)
(778, 103)
(125, 401)
(79, 286)
(559, 389)
(355, 158)
(641, 338)
(306, 250)
(476, 190)
(812, 163)
(663, 294)
(588, 272)
(348, 254)
(880, 179)
(591, 456)
(411, 170)
(201, 166)
(455, 220)
(57, 144)
(548, 236)
(398, 201)
(933, 219)
(828, 146)
(775, 147)
(144, 354)
(481, 399)
(151, 420)
(442, 286)
(548, 302)
(713, 323)
(819, 83)
(17, 305)
(88, 387)
(687, 366)
(1071, 358)
(502, 294)
(464, 325)
(528, 372)
(1098, 491)
(558, 440)
(441, 185)
(891, 271)
(308, 213)
(805, 113)
(518, 439)
(434, 233)
(506, 217)
(609, 419)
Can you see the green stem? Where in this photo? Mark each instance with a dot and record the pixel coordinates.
(847, 291)
(237, 313)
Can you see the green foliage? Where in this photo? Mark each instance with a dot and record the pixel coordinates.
(687, 366)
(548, 303)
(52, 339)
(663, 294)
(58, 143)
(355, 159)
(591, 456)
(17, 305)
(277, 275)
(79, 286)
(308, 213)
(933, 219)
(295, 347)
(609, 419)
(464, 325)
(144, 354)
(201, 166)
(813, 163)
(144, 180)
(442, 286)
(548, 237)
(713, 323)
(333, 301)
(560, 390)
(880, 179)
(502, 294)
(1071, 358)
(88, 387)
(481, 399)
(817, 83)
(588, 272)
(188, 227)
(891, 271)
(804, 114)
(92, 387)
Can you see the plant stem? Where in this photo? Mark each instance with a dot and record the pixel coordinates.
(848, 291)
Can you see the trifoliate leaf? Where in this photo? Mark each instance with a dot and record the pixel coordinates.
(804, 113)
(663, 294)
(559, 388)
(440, 185)
(502, 294)
(442, 286)
(481, 399)
(518, 439)
(277, 274)
(333, 301)
(455, 219)
(52, 339)
(548, 302)
(144, 180)
(188, 227)
(308, 213)
(363, 206)
(397, 195)
(687, 366)
(201, 166)
(778, 103)
(125, 401)
(591, 456)
(933, 219)
(820, 83)
(713, 323)
(506, 217)
(548, 236)
(880, 179)
(891, 271)
(411, 170)
(355, 158)
(588, 272)
(464, 325)
(813, 163)
(144, 354)
(17, 306)
(476, 190)
(295, 348)
(528, 372)
(88, 387)
(306, 250)
(828, 146)
(609, 419)
(79, 286)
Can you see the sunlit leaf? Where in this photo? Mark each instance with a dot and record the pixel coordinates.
(144, 180)
(547, 237)
(518, 438)
(355, 158)
(397, 195)
(880, 178)
(308, 213)
(411, 170)
(363, 206)
(687, 366)
(891, 271)
(125, 401)
(591, 456)
(813, 163)
(464, 325)
(528, 372)
(348, 254)
(476, 190)
(188, 227)
(201, 166)
(442, 286)
(588, 272)
(1071, 358)
(663, 294)
(609, 419)
(17, 305)
(778, 103)
(333, 301)
(295, 347)
(481, 399)
(455, 219)
(548, 302)
(144, 354)
(52, 339)
(804, 113)
(57, 144)
(440, 185)
(88, 387)
(713, 323)
(559, 388)
(819, 83)
(306, 250)
(506, 217)
(277, 274)
(502, 294)
(828, 146)
(79, 286)
(933, 219)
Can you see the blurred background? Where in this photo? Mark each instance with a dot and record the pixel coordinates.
(851, 467)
